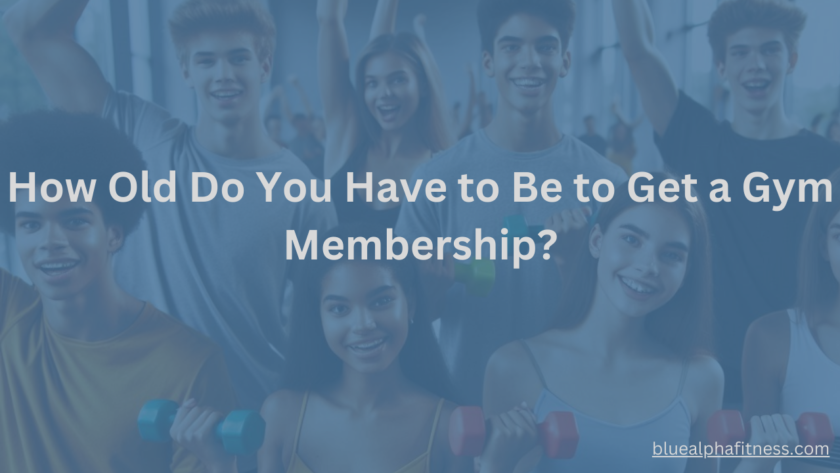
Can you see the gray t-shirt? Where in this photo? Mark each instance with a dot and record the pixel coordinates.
(218, 266)
(523, 301)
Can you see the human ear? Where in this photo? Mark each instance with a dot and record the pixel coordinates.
(488, 64)
(265, 69)
(116, 238)
(596, 239)
(567, 63)
(185, 73)
(793, 60)
(721, 70)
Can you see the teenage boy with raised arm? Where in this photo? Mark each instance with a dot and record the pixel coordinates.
(754, 45)
(219, 266)
(525, 51)
(79, 356)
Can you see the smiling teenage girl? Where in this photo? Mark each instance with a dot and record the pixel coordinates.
(755, 49)
(367, 384)
(391, 122)
(626, 351)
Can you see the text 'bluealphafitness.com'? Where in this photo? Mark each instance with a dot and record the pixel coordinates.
(739, 450)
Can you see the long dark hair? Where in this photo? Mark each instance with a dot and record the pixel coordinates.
(818, 287)
(682, 324)
(432, 115)
(311, 364)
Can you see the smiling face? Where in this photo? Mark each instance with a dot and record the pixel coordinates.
(224, 70)
(642, 258)
(756, 64)
(391, 90)
(528, 58)
(365, 315)
(64, 246)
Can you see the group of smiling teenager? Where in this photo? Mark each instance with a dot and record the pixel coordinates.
(617, 327)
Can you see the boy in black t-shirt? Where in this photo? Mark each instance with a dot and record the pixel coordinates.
(754, 44)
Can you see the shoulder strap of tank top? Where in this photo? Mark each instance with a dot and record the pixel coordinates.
(683, 373)
(300, 421)
(534, 361)
(435, 424)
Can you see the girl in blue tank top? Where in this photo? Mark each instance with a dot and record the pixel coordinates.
(791, 360)
(626, 354)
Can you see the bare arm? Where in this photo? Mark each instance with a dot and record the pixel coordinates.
(510, 380)
(616, 109)
(277, 413)
(385, 18)
(43, 32)
(650, 72)
(705, 383)
(335, 86)
(766, 349)
(420, 28)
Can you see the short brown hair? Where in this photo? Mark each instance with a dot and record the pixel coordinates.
(492, 14)
(734, 15)
(193, 17)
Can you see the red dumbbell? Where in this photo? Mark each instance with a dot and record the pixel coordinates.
(468, 433)
(727, 427)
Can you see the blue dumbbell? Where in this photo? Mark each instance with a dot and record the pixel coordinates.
(241, 432)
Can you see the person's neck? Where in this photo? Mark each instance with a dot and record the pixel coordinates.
(243, 139)
(405, 142)
(523, 133)
(769, 124)
(101, 311)
(609, 333)
(365, 392)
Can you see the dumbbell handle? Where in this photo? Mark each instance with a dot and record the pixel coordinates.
(217, 431)
(562, 446)
(808, 425)
(543, 431)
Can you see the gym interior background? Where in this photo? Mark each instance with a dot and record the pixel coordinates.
(131, 42)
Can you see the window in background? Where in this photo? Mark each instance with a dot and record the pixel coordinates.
(701, 78)
(816, 81)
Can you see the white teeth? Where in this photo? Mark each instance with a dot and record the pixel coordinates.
(528, 82)
(388, 108)
(226, 94)
(756, 83)
(55, 266)
(369, 345)
(636, 286)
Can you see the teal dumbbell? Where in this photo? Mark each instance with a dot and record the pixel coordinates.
(241, 432)
(478, 275)
(518, 227)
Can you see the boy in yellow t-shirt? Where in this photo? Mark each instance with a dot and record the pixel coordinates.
(78, 355)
